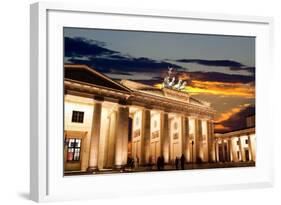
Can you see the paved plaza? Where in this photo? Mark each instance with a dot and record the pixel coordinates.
(167, 168)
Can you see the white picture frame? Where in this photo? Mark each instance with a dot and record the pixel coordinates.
(46, 163)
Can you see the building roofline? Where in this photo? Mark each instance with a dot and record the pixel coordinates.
(237, 132)
(93, 70)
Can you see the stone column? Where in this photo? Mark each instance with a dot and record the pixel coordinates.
(207, 152)
(216, 151)
(164, 140)
(226, 150)
(223, 150)
(211, 143)
(125, 120)
(185, 135)
(112, 138)
(253, 145)
(95, 137)
(230, 158)
(145, 137)
(198, 139)
(241, 150)
(250, 148)
(106, 143)
(234, 152)
(121, 142)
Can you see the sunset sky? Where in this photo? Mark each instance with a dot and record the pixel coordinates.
(218, 69)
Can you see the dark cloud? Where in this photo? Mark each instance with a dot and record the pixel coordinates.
(233, 65)
(223, 63)
(106, 64)
(152, 81)
(117, 72)
(81, 47)
(249, 69)
(105, 60)
(238, 120)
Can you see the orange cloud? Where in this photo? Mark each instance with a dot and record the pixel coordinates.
(222, 88)
(184, 76)
(221, 127)
(219, 88)
(226, 115)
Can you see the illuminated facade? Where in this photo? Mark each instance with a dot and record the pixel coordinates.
(237, 146)
(107, 121)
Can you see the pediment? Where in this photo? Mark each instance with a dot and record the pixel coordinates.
(85, 74)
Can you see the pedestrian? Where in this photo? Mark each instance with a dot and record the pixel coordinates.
(176, 162)
(159, 163)
(182, 161)
(150, 162)
(162, 162)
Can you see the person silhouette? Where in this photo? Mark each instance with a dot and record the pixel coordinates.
(182, 161)
(162, 162)
(177, 162)
(159, 163)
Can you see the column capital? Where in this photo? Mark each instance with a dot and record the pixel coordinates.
(164, 111)
(147, 108)
(123, 102)
(143, 108)
(122, 106)
(98, 99)
(183, 115)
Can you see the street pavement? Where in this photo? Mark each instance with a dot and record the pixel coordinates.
(167, 168)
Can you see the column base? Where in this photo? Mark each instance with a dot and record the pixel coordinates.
(92, 169)
(120, 168)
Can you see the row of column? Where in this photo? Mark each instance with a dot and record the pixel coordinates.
(117, 144)
(204, 149)
(229, 154)
(145, 135)
(205, 152)
(118, 137)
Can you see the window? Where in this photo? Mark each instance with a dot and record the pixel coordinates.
(238, 142)
(73, 150)
(77, 116)
(246, 141)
